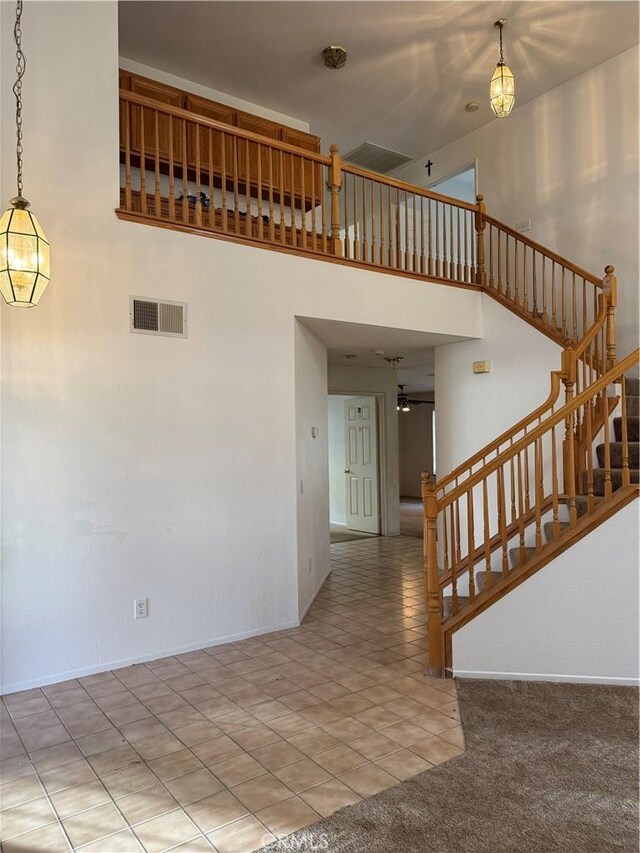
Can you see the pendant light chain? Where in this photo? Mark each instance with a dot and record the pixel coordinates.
(21, 64)
(501, 46)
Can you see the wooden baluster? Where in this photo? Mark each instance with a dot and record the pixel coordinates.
(445, 247)
(545, 316)
(247, 191)
(259, 194)
(399, 252)
(347, 243)
(588, 418)
(283, 224)
(365, 237)
(438, 262)
(211, 167)
(563, 294)
(507, 271)
(626, 474)
(198, 210)
(390, 223)
(610, 286)
(487, 534)
(323, 213)
(293, 232)
(513, 486)
(143, 166)
(525, 281)
(455, 564)
(538, 462)
(314, 244)
(480, 226)
(303, 204)
(516, 282)
(466, 272)
(491, 279)
(432, 583)
(335, 183)
(382, 255)
(574, 303)
(608, 488)
(471, 545)
(452, 245)
(521, 544)
(423, 257)
(554, 314)
(430, 239)
(236, 187)
(172, 191)
(407, 252)
(272, 224)
(458, 537)
(534, 282)
(415, 235)
(223, 183)
(554, 487)
(356, 240)
(185, 176)
(128, 198)
(527, 502)
(502, 521)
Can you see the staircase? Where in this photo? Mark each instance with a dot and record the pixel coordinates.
(552, 478)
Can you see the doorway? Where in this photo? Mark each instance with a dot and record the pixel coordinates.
(354, 487)
(460, 184)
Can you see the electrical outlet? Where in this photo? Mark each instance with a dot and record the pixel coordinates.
(140, 608)
(524, 225)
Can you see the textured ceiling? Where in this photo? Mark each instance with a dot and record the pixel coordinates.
(412, 66)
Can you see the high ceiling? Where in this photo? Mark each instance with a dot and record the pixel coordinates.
(411, 68)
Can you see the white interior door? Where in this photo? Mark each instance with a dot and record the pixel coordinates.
(361, 464)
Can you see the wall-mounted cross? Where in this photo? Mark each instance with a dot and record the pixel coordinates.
(428, 166)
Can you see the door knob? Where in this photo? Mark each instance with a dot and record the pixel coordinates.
(347, 470)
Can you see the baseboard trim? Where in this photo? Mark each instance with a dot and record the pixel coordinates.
(538, 676)
(313, 598)
(6, 689)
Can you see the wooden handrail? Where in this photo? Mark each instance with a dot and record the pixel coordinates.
(203, 121)
(543, 250)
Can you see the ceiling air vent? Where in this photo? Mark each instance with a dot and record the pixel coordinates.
(376, 158)
(157, 317)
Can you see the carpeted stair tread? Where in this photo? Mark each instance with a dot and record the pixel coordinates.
(632, 386)
(514, 555)
(481, 578)
(548, 527)
(447, 604)
(633, 428)
(598, 480)
(616, 454)
(633, 407)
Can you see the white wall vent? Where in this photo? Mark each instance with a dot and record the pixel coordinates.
(149, 316)
(376, 158)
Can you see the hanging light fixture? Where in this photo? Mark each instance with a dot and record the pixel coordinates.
(24, 250)
(502, 89)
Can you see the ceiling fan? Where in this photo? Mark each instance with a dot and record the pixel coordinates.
(404, 402)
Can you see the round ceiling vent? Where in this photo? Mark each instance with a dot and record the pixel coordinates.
(334, 56)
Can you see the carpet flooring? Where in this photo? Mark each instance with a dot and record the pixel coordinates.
(549, 768)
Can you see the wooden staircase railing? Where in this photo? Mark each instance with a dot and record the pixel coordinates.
(476, 533)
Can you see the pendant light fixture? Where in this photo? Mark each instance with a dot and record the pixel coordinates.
(24, 250)
(502, 89)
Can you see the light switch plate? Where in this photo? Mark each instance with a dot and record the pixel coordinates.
(482, 367)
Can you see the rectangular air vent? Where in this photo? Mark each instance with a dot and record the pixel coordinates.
(376, 158)
(157, 317)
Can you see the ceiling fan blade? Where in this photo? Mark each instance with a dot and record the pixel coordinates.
(419, 402)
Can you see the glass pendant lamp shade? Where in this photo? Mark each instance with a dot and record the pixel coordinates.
(24, 256)
(502, 91)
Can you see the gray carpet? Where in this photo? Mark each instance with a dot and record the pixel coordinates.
(548, 767)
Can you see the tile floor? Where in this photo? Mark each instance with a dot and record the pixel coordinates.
(229, 747)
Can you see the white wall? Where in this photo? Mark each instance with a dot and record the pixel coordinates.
(213, 94)
(137, 465)
(575, 620)
(415, 434)
(568, 160)
(383, 382)
(337, 494)
(312, 468)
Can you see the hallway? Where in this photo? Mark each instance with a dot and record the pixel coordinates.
(228, 747)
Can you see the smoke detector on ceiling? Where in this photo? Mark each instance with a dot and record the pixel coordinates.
(334, 56)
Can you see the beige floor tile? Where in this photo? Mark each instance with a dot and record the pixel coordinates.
(339, 759)
(68, 697)
(404, 733)
(55, 756)
(261, 792)
(241, 836)
(403, 764)
(47, 839)
(254, 736)
(194, 786)
(175, 764)
(301, 775)
(37, 722)
(276, 755)
(25, 817)
(368, 780)
(217, 749)
(377, 717)
(20, 791)
(121, 842)
(89, 725)
(329, 797)
(42, 738)
(101, 742)
(435, 750)
(233, 721)
(454, 736)
(212, 812)
(434, 722)
(374, 745)
(196, 733)
(143, 729)
(145, 804)
(128, 780)
(313, 741)
(15, 768)
(288, 816)
(128, 714)
(196, 845)
(93, 824)
(321, 713)
(157, 746)
(239, 769)
(113, 759)
(168, 830)
(88, 795)
(67, 775)
(347, 729)
(34, 705)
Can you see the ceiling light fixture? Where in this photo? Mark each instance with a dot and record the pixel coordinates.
(24, 250)
(502, 89)
(334, 56)
(472, 107)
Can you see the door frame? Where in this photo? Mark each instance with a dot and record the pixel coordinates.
(457, 170)
(381, 454)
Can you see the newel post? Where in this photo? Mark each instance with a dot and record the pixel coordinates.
(334, 184)
(610, 288)
(568, 375)
(481, 275)
(432, 585)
